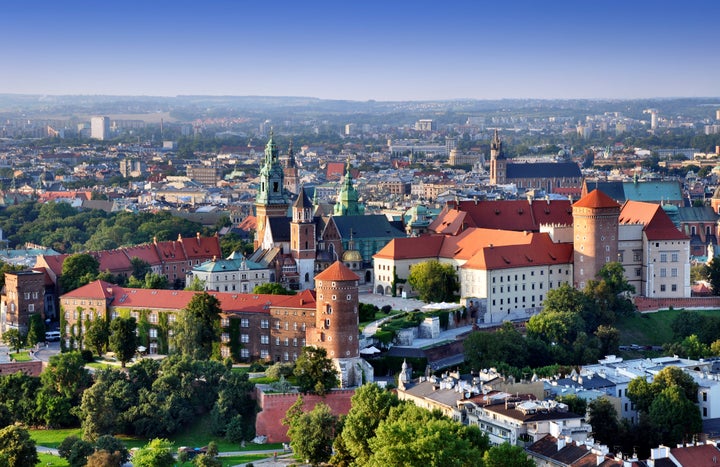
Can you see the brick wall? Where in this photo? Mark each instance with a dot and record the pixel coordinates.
(645, 304)
(274, 406)
(31, 368)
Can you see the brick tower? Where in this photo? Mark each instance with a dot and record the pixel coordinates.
(336, 323)
(302, 239)
(595, 235)
(498, 161)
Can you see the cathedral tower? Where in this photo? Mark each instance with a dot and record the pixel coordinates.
(290, 171)
(336, 323)
(498, 162)
(302, 239)
(271, 200)
(347, 202)
(595, 235)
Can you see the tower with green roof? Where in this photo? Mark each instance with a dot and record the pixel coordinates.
(271, 200)
(347, 202)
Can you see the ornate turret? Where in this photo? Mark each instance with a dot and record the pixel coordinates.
(290, 171)
(347, 202)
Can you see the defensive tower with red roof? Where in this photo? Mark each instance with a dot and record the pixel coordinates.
(337, 327)
(595, 235)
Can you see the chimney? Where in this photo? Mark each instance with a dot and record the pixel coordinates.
(560, 442)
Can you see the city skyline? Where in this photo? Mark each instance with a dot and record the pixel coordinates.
(363, 50)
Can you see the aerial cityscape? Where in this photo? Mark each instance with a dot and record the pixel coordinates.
(367, 234)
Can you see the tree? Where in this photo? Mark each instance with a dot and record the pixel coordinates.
(36, 329)
(604, 421)
(102, 458)
(559, 327)
(609, 338)
(673, 417)
(63, 383)
(314, 371)
(434, 281)
(105, 405)
(506, 455)
(14, 339)
(97, 335)
(198, 327)
(123, 339)
(272, 288)
(197, 284)
(17, 449)
(77, 270)
(75, 451)
(150, 280)
(411, 435)
(713, 275)
(370, 405)
(575, 404)
(140, 267)
(486, 349)
(157, 453)
(311, 434)
(113, 446)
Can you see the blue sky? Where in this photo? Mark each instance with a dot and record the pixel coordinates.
(359, 50)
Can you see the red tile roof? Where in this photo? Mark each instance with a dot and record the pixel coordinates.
(697, 456)
(658, 225)
(516, 215)
(178, 299)
(539, 251)
(596, 199)
(337, 272)
(413, 247)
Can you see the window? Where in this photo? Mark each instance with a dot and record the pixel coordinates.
(225, 337)
(153, 318)
(153, 333)
(637, 255)
(663, 257)
(674, 257)
(295, 342)
(673, 287)
(663, 272)
(674, 272)
(27, 295)
(31, 307)
(662, 287)
(638, 272)
(244, 353)
(327, 324)
(264, 339)
(244, 338)
(287, 342)
(244, 323)
(264, 324)
(264, 353)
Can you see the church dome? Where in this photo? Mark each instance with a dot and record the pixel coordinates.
(351, 255)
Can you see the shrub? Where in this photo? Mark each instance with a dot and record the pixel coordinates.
(87, 356)
(386, 309)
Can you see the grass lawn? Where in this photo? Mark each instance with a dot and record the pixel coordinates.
(199, 435)
(651, 328)
(21, 356)
(235, 460)
(49, 459)
(53, 438)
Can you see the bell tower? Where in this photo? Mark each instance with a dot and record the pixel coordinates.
(271, 200)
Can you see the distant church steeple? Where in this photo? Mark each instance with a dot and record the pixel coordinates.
(498, 162)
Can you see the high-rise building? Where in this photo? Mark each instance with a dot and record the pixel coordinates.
(100, 128)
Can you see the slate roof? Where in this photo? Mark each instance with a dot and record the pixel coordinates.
(543, 170)
(655, 191)
(370, 226)
(280, 228)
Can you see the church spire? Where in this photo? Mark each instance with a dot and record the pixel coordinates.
(347, 202)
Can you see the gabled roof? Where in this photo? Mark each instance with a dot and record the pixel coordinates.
(518, 215)
(279, 228)
(337, 272)
(596, 199)
(539, 251)
(658, 225)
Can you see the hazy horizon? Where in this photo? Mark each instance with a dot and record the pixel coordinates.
(361, 51)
